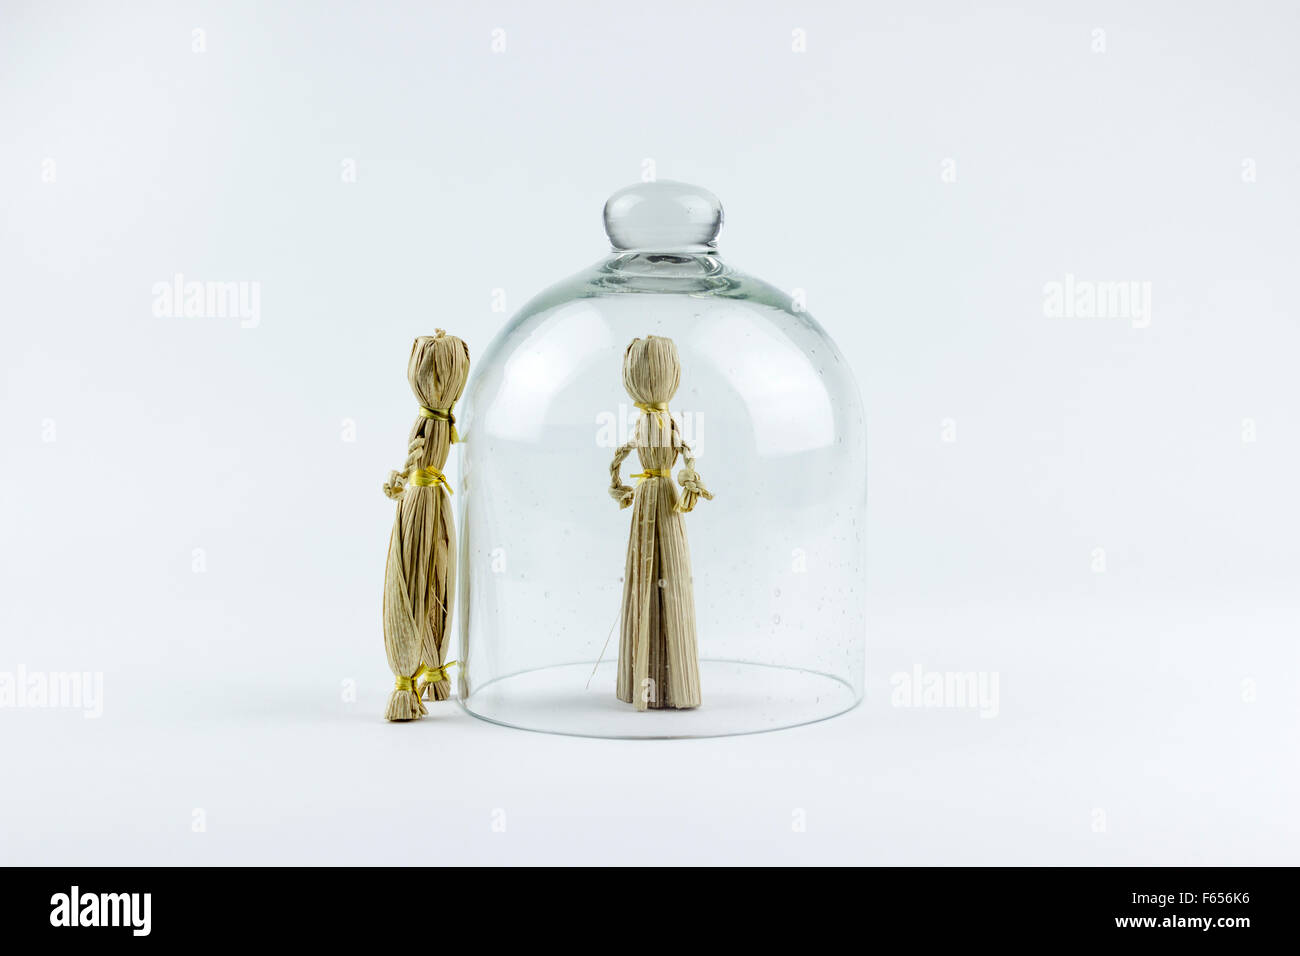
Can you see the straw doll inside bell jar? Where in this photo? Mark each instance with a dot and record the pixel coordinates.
(658, 664)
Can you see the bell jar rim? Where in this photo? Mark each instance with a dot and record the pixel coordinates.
(858, 695)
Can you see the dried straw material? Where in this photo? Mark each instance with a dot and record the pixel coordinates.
(420, 578)
(658, 665)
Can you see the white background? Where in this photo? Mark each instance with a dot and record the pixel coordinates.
(1147, 712)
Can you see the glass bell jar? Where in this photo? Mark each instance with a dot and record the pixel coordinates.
(619, 613)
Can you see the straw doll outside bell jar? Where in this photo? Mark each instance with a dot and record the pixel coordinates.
(658, 664)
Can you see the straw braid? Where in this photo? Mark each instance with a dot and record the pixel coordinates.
(396, 483)
(692, 484)
(617, 490)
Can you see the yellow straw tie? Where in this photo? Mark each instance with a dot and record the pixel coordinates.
(430, 476)
(432, 675)
(653, 473)
(654, 408)
(441, 415)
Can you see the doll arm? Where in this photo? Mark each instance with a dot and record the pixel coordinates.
(692, 485)
(396, 482)
(617, 490)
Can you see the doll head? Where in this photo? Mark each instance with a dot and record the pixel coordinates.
(651, 371)
(437, 369)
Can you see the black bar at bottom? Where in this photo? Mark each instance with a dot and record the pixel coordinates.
(332, 906)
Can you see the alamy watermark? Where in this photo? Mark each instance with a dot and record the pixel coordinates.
(1073, 298)
(972, 690)
(129, 910)
(195, 299)
(614, 429)
(75, 690)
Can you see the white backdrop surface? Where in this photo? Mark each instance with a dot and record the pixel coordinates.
(1096, 511)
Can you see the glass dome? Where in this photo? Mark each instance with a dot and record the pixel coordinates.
(774, 419)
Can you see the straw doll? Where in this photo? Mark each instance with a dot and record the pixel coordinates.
(658, 665)
(420, 577)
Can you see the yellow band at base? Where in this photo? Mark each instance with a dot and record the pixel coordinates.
(432, 675)
(425, 676)
(654, 473)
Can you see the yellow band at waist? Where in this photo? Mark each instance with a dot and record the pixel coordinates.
(428, 477)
